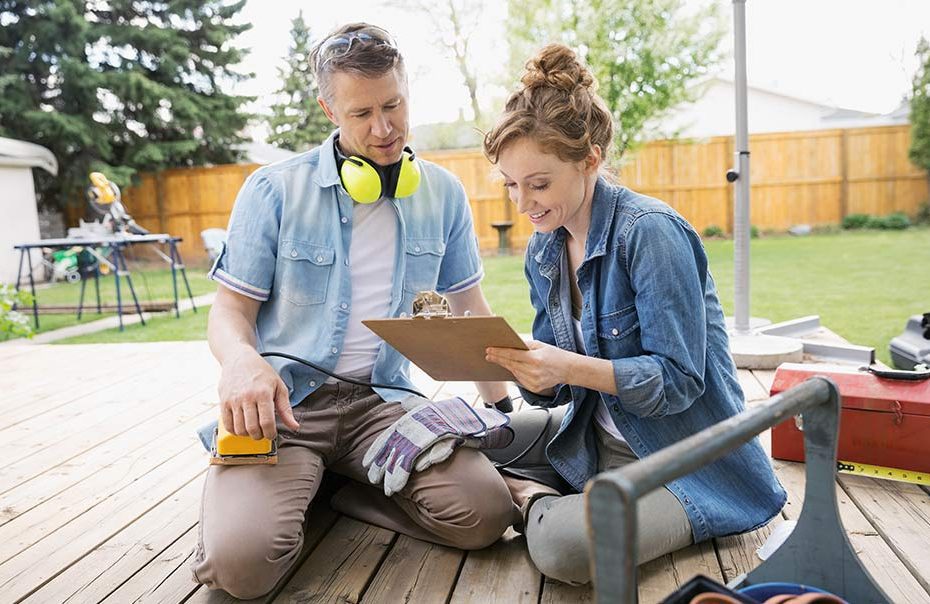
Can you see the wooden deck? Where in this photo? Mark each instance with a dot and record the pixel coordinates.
(100, 490)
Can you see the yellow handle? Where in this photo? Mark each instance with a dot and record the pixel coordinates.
(105, 192)
(228, 443)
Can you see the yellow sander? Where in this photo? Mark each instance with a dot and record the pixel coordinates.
(232, 450)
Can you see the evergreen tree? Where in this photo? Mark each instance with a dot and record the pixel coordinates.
(120, 86)
(920, 108)
(297, 122)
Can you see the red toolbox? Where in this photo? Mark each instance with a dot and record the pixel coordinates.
(883, 422)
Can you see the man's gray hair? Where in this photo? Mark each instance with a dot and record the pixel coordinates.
(357, 48)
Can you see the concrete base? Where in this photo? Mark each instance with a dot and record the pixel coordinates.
(764, 352)
(754, 323)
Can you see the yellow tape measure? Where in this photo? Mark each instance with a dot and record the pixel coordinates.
(864, 469)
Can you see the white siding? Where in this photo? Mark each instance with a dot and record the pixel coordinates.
(20, 221)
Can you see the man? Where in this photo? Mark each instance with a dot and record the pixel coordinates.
(303, 265)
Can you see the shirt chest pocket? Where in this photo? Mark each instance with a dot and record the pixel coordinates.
(617, 333)
(423, 258)
(305, 271)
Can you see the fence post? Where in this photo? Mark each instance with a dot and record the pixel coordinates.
(160, 202)
(844, 174)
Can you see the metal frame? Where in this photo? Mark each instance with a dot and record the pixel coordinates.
(816, 553)
(117, 265)
(827, 351)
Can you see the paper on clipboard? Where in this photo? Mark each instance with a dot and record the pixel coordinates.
(450, 348)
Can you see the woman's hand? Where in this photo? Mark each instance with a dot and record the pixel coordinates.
(538, 369)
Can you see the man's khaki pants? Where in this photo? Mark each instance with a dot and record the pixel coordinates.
(252, 517)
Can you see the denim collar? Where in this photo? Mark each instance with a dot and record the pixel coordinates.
(327, 175)
(603, 208)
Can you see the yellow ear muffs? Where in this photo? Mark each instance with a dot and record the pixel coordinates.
(367, 182)
(408, 177)
(361, 180)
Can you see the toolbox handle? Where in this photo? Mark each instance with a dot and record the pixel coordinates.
(920, 372)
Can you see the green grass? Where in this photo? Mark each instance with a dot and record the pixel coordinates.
(151, 284)
(507, 291)
(863, 285)
(162, 327)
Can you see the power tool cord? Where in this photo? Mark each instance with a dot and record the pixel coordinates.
(341, 378)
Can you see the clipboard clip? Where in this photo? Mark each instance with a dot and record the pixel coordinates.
(430, 304)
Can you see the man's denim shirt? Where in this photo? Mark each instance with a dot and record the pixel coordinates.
(288, 246)
(651, 307)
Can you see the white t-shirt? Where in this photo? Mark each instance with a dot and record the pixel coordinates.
(371, 270)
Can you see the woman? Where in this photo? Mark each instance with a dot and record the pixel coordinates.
(628, 332)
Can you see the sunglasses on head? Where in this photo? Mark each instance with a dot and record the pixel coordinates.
(339, 45)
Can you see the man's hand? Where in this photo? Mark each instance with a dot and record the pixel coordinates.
(538, 369)
(250, 392)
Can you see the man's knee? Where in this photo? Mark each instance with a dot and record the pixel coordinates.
(493, 509)
(245, 565)
(469, 505)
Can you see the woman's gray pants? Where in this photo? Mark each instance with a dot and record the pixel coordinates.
(556, 526)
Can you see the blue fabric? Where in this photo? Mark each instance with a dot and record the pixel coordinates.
(651, 307)
(288, 247)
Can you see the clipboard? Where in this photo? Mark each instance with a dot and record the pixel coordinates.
(450, 348)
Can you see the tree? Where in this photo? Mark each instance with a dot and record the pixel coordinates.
(120, 86)
(645, 54)
(920, 108)
(297, 122)
(454, 23)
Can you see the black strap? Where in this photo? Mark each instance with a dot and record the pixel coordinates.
(920, 372)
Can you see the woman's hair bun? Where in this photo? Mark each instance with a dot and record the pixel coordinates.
(557, 66)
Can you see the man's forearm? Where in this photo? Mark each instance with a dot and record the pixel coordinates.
(229, 333)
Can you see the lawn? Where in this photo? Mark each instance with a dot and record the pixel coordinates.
(863, 285)
(150, 283)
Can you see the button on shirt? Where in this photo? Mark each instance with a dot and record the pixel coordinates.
(288, 246)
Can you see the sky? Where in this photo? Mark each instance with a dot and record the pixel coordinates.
(857, 54)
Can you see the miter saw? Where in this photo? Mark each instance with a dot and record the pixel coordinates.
(104, 197)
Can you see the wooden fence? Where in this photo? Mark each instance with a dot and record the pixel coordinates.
(813, 177)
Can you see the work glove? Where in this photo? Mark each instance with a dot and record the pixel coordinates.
(428, 434)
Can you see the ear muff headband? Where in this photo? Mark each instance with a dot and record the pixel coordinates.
(367, 182)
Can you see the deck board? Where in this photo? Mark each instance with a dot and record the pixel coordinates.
(499, 574)
(341, 566)
(106, 568)
(99, 501)
(416, 571)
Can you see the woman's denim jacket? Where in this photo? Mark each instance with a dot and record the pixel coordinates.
(650, 306)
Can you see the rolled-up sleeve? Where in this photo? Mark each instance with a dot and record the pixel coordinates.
(247, 262)
(461, 265)
(668, 272)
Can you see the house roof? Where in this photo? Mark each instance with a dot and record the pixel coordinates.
(257, 152)
(839, 111)
(20, 153)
